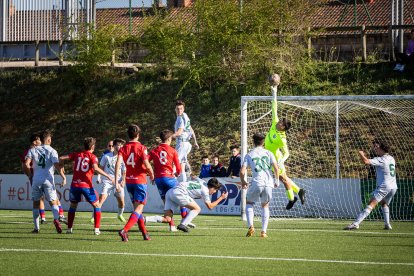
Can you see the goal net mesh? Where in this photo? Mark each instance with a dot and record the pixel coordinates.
(339, 189)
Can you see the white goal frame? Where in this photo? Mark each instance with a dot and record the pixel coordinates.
(244, 128)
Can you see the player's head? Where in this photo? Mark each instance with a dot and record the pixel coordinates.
(206, 160)
(216, 160)
(133, 131)
(235, 150)
(110, 146)
(118, 143)
(89, 143)
(283, 125)
(179, 107)
(258, 139)
(46, 137)
(35, 139)
(380, 148)
(213, 185)
(166, 136)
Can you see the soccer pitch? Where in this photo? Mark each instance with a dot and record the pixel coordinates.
(217, 246)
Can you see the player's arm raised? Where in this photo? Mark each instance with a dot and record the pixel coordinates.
(363, 158)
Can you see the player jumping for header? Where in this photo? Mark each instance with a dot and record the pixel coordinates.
(276, 142)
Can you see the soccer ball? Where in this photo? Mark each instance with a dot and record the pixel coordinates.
(274, 79)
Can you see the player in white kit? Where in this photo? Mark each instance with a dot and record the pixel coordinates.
(261, 161)
(45, 159)
(107, 164)
(386, 184)
(183, 132)
(184, 194)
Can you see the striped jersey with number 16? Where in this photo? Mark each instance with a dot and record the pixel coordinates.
(134, 154)
(260, 160)
(164, 158)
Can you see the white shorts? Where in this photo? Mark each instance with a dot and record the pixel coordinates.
(262, 194)
(176, 198)
(108, 188)
(183, 149)
(48, 189)
(384, 194)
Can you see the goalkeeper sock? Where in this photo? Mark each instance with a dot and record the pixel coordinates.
(386, 213)
(295, 187)
(363, 215)
(290, 195)
(249, 215)
(265, 218)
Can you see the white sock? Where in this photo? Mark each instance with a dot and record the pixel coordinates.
(154, 219)
(265, 218)
(386, 214)
(55, 211)
(36, 216)
(120, 211)
(363, 215)
(189, 218)
(249, 214)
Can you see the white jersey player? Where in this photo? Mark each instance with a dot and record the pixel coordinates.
(386, 184)
(183, 132)
(45, 159)
(262, 162)
(107, 164)
(185, 193)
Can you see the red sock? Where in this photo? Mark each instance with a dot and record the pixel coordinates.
(97, 217)
(61, 211)
(141, 225)
(171, 222)
(133, 218)
(42, 213)
(71, 217)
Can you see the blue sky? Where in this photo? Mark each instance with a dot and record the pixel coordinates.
(124, 3)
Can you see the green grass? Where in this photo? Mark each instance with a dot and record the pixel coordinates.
(191, 254)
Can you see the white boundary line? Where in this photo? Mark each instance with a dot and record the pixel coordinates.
(380, 232)
(199, 256)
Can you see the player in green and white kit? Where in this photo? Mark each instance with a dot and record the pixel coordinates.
(386, 184)
(276, 142)
(262, 162)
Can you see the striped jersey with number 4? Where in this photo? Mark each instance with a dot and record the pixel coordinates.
(83, 168)
(260, 160)
(385, 171)
(134, 154)
(165, 158)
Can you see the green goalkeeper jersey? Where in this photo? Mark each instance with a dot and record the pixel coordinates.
(276, 139)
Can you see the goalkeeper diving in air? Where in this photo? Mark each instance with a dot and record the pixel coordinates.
(276, 142)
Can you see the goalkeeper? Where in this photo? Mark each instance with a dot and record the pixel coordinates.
(276, 142)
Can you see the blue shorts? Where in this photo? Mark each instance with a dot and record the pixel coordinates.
(164, 184)
(88, 193)
(137, 193)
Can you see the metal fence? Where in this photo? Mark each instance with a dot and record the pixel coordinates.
(31, 20)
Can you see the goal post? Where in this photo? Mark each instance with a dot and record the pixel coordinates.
(326, 134)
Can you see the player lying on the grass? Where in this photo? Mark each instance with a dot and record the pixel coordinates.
(44, 159)
(135, 156)
(165, 158)
(185, 193)
(84, 166)
(386, 184)
(107, 164)
(262, 162)
(36, 141)
(276, 142)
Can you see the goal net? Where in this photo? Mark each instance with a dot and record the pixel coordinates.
(323, 142)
